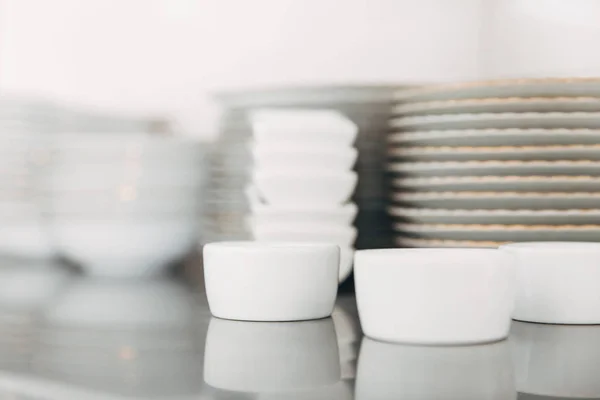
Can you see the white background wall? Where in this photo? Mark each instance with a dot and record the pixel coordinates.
(165, 56)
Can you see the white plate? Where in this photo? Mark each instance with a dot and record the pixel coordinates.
(483, 168)
(497, 137)
(437, 243)
(498, 216)
(505, 104)
(502, 183)
(540, 87)
(574, 120)
(499, 200)
(502, 233)
(522, 153)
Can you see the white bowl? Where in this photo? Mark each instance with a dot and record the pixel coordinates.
(390, 371)
(304, 126)
(125, 200)
(255, 357)
(303, 232)
(328, 158)
(557, 282)
(556, 361)
(305, 187)
(434, 296)
(333, 215)
(138, 144)
(25, 237)
(92, 177)
(123, 248)
(246, 281)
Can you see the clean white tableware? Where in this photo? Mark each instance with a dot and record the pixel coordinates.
(497, 216)
(522, 120)
(327, 215)
(133, 247)
(124, 199)
(391, 371)
(302, 125)
(556, 361)
(259, 281)
(255, 356)
(557, 282)
(502, 233)
(497, 200)
(402, 241)
(483, 153)
(489, 168)
(497, 137)
(305, 187)
(26, 236)
(291, 156)
(76, 178)
(434, 296)
(523, 87)
(500, 105)
(340, 235)
(584, 183)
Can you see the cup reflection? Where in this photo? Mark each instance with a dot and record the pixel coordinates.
(556, 360)
(271, 357)
(391, 371)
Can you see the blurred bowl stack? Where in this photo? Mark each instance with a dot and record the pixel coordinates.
(367, 106)
(26, 126)
(482, 163)
(123, 204)
(302, 179)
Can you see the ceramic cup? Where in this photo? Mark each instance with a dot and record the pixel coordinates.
(557, 282)
(557, 361)
(390, 371)
(434, 296)
(263, 281)
(271, 357)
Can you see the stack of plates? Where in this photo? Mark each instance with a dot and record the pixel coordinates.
(481, 163)
(302, 179)
(367, 106)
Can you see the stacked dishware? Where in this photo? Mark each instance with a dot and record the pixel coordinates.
(25, 127)
(123, 204)
(483, 163)
(231, 162)
(302, 179)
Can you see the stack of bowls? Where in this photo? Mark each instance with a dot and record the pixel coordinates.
(303, 179)
(483, 163)
(368, 106)
(25, 127)
(123, 205)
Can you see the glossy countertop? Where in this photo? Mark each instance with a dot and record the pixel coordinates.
(69, 337)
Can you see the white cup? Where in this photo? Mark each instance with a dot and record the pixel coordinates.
(434, 296)
(390, 371)
(557, 282)
(263, 281)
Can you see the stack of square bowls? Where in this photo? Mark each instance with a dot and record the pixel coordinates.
(303, 179)
(368, 106)
(483, 163)
(123, 204)
(26, 126)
